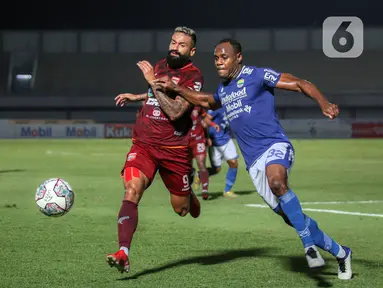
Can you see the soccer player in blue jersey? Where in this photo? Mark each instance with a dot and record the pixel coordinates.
(247, 95)
(221, 147)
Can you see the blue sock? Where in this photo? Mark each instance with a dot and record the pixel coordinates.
(321, 239)
(293, 210)
(231, 176)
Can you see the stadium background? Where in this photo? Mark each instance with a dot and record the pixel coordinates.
(61, 66)
(53, 66)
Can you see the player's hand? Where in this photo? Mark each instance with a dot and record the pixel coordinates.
(209, 142)
(217, 128)
(122, 99)
(165, 83)
(330, 110)
(147, 70)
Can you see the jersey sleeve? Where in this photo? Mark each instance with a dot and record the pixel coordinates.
(216, 96)
(268, 77)
(212, 113)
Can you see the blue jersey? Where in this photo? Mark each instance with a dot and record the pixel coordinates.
(249, 104)
(223, 136)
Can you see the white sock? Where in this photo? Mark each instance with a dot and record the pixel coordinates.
(125, 249)
(341, 253)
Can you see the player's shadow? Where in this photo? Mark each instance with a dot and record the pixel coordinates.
(216, 195)
(298, 264)
(11, 171)
(213, 259)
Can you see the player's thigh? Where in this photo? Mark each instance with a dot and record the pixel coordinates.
(177, 179)
(216, 156)
(261, 184)
(230, 151)
(278, 162)
(138, 172)
(176, 170)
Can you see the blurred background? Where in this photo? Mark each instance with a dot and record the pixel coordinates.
(65, 61)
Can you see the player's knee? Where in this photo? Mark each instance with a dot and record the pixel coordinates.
(201, 165)
(132, 192)
(233, 163)
(278, 186)
(181, 210)
(284, 217)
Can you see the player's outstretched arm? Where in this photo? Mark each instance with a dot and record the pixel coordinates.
(203, 99)
(292, 83)
(122, 99)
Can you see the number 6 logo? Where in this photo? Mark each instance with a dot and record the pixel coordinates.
(342, 37)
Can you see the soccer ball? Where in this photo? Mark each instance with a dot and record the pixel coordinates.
(54, 197)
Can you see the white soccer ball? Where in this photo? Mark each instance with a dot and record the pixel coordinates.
(54, 197)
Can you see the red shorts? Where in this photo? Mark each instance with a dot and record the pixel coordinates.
(173, 164)
(198, 145)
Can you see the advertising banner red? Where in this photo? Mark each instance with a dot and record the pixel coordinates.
(367, 130)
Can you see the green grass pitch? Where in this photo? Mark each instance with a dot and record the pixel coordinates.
(230, 245)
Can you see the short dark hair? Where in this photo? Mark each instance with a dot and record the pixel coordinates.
(187, 31)
(237, 47)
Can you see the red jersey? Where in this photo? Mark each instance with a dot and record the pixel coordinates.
(197, 128)
(153, 125)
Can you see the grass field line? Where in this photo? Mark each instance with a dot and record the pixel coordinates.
(325, 211)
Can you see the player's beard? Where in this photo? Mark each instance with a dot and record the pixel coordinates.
(176, 62)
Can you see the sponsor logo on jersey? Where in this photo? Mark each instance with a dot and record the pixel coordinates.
(197, 86)
(234, 105)
(234, 96)
(175, 80)
(269, 77)
(131, 156)
(271, 71)
(247, 71)
(152, 102)
(156, 111)
(150, 92)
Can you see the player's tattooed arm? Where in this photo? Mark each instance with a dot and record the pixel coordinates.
(203, 99)
(292, 83)
(174, 108)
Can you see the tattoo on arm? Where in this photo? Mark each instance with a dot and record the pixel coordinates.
(174, 108)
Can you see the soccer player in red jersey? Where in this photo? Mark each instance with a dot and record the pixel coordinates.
(198, 148)
(161, 138)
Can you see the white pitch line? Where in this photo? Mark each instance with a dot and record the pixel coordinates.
(343, 212)
(325, 211)
(343, 202)
(330, 203)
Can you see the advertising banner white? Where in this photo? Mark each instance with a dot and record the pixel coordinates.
(51, 131)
